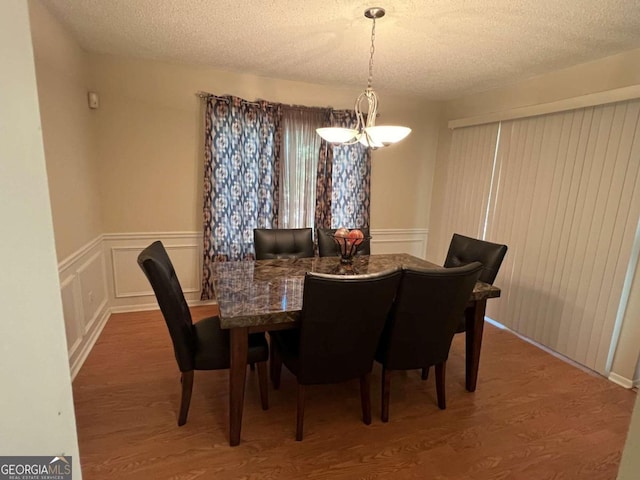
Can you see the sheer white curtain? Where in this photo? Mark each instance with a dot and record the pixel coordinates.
(299, 165)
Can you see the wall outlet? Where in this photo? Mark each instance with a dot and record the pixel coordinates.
(93, 100)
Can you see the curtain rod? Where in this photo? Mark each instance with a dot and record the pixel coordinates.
(225, 98)
(204, 95)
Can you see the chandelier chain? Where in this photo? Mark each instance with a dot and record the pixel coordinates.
(371, 52)
(366, 132)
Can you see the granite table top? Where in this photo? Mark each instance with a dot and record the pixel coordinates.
(269, 292)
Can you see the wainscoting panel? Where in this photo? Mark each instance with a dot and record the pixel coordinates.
(412, 241)
(129, 289)
(103, 277)
(83, 289)
(93, 289)
(72, 311)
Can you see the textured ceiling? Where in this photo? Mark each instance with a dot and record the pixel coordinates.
(437, 49)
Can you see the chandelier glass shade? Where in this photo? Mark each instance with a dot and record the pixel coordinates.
(366, 131)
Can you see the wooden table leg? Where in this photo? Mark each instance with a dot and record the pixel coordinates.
(237, 376)
(474, 327)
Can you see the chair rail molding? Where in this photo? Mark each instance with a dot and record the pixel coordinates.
(129, 289)
(400, 240)
(103, 277)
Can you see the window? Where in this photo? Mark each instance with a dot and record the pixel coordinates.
(265, 167)
(299, 169)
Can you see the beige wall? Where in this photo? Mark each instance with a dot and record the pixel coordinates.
(136, 163)
(63, 82)
(630, 463)
(37, 407)
(618, 71)
(149, 143)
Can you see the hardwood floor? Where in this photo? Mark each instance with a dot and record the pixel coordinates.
(532, 417)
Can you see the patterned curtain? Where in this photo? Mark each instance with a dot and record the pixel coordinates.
(243, 165)
(324, 185)
(351, 179)
(242, 142)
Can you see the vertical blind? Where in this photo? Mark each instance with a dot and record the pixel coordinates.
(468, 182)
(565, 198)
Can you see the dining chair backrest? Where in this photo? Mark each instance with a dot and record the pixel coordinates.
(464, 250)
(157, 266)
(327, 247)
(425, 315)
(282, 243)
(340, 324)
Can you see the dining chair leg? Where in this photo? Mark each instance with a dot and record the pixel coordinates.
(440, 381)
(365, 397)
(263, 384)
(186, 378)
(275, 366)
(425, 373)
(386, 394)
(300, 413)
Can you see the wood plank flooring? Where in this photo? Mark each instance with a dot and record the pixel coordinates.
(532, 417)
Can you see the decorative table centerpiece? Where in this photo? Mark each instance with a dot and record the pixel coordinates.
(348, 242)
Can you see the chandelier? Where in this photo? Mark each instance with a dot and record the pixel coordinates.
(366, 131)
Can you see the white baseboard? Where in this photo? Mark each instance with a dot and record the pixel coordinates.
(495, 324)
(622, 381)
(88, 342)
(146, 307)
(544, 348)
(614, 377)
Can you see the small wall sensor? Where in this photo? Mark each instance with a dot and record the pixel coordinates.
(94, 101)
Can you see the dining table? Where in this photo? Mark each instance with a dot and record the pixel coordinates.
(265, 295)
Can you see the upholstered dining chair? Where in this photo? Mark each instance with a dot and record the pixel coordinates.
(464, 250)
(327, 247)
(200, 346)
(340, 324)
(282, 243)
(423, 322)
